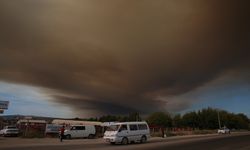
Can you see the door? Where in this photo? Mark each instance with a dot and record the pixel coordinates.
(133, 132)
(123, 131)
(80, 131)
(73, 132)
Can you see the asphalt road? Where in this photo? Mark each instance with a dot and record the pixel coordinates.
(211, 142)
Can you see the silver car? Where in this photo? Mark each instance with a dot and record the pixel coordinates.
(9, 131)
(224, 130)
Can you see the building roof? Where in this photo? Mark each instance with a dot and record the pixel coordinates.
(75, 122)
(30, 121)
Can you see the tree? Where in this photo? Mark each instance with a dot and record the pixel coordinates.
(108, 118)
(134, 117)
(208, 119)
(177, 121)
(202, 119)
(160, 119)
(190, 119)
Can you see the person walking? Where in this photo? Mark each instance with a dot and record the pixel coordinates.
(62, 133)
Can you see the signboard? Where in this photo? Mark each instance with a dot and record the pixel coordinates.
(1, 111)
(4, 104)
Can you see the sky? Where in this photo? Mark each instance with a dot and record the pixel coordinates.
(90, 58)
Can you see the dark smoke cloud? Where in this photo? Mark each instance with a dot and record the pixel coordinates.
(120, 56)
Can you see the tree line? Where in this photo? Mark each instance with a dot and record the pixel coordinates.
(207, 118)
(211, 119)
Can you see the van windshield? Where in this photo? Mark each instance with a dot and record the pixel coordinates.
(113, 128)
(11, 128)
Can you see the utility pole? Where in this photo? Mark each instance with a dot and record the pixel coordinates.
(218, 118)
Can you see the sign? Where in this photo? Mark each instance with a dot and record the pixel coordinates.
(4, 104)
(1, 111)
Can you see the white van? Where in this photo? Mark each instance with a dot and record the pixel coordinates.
(127, 132)
(80, 131)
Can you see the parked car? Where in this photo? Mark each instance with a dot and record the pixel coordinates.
(224, 130)
(127, 132)
(80, 131)
(9, 131)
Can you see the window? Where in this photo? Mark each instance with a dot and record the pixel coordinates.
(80, 128)
(11, 128)
(123, 127)
(142, 126)
(133, 127)
(113, 128)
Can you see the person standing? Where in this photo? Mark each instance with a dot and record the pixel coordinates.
(162, 132)
(62, 133)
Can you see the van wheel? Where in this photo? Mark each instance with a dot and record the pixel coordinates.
(124, 141)
(68, 136)
(91, 136)
(143, 139)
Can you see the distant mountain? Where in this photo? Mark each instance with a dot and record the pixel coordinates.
(12, 117)
(49, 119)
(18, 117)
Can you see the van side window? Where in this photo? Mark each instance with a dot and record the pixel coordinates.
(142, 126)
(123, 127)
(80, 128)
(133, 127)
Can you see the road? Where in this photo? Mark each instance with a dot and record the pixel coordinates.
(237, 141)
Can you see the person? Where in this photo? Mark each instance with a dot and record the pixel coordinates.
(62, 133)
(162, 132)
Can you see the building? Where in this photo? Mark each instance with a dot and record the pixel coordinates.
(32, 128)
